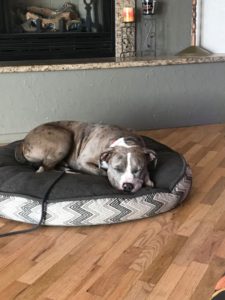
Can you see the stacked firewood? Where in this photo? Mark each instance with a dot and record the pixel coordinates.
(47, 19)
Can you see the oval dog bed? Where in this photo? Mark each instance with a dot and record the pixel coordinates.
(80, 199)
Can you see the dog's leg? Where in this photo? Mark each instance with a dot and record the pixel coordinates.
(67, 169)
(47, 146)
(148, 181)
(91, 168)
(49, 163)
(40, 169)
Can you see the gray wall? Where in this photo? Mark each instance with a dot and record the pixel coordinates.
(141, 98)
(173, 26)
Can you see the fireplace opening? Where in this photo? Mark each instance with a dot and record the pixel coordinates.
(45, 29)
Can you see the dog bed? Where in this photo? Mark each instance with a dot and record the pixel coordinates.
(80, 199)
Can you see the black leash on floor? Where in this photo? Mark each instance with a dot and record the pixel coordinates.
(43, 213)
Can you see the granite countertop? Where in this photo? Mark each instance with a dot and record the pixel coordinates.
(104, 63)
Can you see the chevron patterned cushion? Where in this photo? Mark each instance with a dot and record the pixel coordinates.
(81, 199)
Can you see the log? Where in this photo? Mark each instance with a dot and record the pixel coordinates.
(49, 18)
(45, 22)
(49, 13)
(68, 16)
(31, 16)
(44, 12)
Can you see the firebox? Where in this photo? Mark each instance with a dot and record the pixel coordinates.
(45, 29)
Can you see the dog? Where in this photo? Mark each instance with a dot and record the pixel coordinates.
(97, 149)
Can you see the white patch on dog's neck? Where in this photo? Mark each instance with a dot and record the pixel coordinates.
(121, 143)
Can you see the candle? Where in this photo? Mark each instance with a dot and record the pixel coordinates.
(128, 14)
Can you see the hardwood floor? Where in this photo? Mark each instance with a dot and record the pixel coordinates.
(177, 255)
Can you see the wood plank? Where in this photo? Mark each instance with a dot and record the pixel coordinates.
(206, 286)
(193, 244)
(13, 290)
(215, 191)
(189, 281)
(194, 219)
(64, 245)
(164, 259)
(165, 286)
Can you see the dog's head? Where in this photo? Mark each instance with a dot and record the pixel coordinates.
(127, 165)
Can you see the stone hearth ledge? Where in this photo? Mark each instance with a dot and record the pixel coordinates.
(104, 63)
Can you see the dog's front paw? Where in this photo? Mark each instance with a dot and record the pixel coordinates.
(151, 184)
(148, 182)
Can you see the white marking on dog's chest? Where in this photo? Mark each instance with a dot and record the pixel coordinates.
(121, 143)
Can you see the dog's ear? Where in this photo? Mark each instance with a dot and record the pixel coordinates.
(151, 156)
(104, 159)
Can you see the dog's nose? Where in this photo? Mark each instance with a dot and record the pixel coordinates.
(128, 187)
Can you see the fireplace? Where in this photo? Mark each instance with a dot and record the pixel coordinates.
(45, 29)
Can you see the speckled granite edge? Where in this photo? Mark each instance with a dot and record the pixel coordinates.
(107, 64)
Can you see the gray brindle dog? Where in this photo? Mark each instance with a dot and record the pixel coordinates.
(94, 149)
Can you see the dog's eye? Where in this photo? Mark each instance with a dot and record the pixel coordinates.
(136, 171)
(118, 169)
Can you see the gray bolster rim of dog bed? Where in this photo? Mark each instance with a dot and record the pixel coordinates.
(77, 200)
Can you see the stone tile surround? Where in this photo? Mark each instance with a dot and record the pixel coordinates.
(119, 5)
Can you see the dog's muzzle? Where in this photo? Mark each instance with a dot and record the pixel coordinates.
(128, 187)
